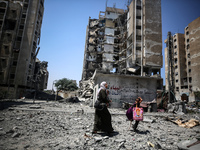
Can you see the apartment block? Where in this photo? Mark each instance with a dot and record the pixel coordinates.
(20, 29)
(126, 42)
(186, 62)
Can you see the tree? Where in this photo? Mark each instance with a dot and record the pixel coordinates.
(66, 84)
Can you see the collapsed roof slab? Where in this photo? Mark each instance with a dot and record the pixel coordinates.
(126, 88)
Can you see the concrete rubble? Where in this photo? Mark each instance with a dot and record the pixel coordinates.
(86, 89)
(67, 125)
(177, 107)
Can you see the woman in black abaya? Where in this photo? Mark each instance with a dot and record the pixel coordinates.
(102, 118)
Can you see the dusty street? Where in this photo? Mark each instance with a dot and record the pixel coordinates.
(54, 125)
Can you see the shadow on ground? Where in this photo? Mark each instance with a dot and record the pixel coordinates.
(4, 104)
(39, 95)
(108, 134)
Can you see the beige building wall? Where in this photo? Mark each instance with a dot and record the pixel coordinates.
(26, 59)
(131, 19)
(110, 24)
(144, 37)
(180, 74)
(20, 26)
(134, 49)
(186, 51)
(166, 69)
(178, 65)
(193, 54)
(9, 22)
(152, 34)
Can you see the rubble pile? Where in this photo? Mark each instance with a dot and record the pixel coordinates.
(70, 100)
(193, 107)
(184, 122)
(86, 90)
(54, 125)
(177, 107)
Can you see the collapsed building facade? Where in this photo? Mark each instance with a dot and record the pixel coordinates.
(182, 70)
(124, 48)
(20, 30)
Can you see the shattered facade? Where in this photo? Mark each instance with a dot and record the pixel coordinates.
(41, 75)
(125, 42)
(186, 62)
(20, 30)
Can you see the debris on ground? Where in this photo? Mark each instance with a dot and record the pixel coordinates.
(193, 144)
(69, 126)
(184, 123)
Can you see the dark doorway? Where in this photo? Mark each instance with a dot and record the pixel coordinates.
(184, 97)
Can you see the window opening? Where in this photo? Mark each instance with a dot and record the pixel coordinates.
(138, 27)
(138, 17)
(175, 60)
(190, 79)
(9, 25)
(12, 76)
(138, 7)
(138, 48)
(14, 63)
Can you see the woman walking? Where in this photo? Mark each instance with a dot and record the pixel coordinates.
(102, 118)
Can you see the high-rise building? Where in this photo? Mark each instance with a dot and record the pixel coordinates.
(20, 30)
(126, 42)
(185, 62)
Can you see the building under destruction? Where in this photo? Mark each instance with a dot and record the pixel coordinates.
(20, 30)
(124, 48)
(182, 59)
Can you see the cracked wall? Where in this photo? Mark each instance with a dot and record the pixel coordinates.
(153, 33)
(20, 25)
(125, 88)
(194, 49)
(186, 66)
(125, 41)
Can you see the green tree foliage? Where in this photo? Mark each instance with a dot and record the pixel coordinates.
(66, 84)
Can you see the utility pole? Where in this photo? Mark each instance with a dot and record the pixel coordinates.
(170, 67)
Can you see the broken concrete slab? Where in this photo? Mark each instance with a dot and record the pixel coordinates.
(34, 107)
(183, 123)
(193, 144)
(145, 119)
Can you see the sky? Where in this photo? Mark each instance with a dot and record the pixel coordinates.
(64, 25)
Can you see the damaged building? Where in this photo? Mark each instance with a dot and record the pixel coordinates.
(182, 69)
(124, 48)
(20, 31)
(41, 75)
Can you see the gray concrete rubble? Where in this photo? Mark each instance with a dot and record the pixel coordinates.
(86, 90)
(67, 125)
(176, 107)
